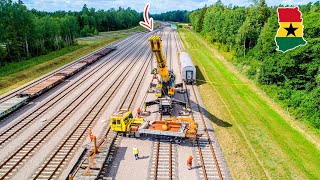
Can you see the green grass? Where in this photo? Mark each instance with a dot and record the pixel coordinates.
(13, 75)
(135, 29)
(258, 143)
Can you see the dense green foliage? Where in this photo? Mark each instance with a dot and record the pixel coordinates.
(28, 33)
(176, 16)
(249, 32)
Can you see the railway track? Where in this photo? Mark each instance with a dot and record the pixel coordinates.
(75, 138)
(33, 83)
(11, 132)
(108, 144)
(205, 152)
(28, 148)
(164, 160)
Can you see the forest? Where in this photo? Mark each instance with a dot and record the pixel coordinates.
(292, 78)
(175, 16)
(28, 33)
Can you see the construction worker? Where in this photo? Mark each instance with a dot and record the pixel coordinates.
(138, 112)
(189, 162)
(136, 152)
(90, 131)
(91, 136)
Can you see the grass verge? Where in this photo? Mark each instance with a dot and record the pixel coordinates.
(258, 142)
(135, 29)
(13, 75)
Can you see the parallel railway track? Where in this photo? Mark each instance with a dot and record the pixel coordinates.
(28, 148)
(164, 160)
(74, 139)
(111, 138)
(33, 83)
(12, 131)
(204, 150)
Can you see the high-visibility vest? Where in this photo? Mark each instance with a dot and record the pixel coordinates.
(190, 159)
(135, 151)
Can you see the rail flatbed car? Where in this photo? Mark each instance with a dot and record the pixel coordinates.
(43, 86)
(11, 105)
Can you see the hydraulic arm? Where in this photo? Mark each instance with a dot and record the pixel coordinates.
(165, 89)
(167, 76)
(156, 47)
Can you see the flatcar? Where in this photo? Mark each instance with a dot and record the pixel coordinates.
(106, 51)
(11, 105)
(187, 69)
(43, 86)
(91, 59)
(14, 103)
(72, 70)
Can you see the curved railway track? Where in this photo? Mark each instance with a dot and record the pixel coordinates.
(10, 132)
(33, 83)
(28, 148)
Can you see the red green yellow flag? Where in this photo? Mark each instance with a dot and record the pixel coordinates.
(290, 32)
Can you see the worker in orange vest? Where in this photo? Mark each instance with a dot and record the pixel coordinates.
(91, 136)
(139, 112)
(189, 162)
(90, 131)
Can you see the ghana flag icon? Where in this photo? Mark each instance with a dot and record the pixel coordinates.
(290, 33)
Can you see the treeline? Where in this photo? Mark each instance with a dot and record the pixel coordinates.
(249, 32)
(175, 16)
(27, 33)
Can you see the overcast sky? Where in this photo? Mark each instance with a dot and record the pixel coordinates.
(157, 6)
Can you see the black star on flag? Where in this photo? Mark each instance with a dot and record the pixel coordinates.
(291, 30)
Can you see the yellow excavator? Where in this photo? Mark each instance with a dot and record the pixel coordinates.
(165, 89)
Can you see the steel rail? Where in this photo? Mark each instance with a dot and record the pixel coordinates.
(37, 143)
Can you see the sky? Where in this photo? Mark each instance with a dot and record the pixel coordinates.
(156, 6)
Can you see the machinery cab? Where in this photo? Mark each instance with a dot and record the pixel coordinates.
(120, 119)
(171, 91)
(158, 91)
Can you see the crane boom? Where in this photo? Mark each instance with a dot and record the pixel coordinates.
(156, 47)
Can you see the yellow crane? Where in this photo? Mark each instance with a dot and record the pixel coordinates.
(165, 89)
(167, 77)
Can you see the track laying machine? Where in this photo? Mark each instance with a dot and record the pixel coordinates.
(124, 122)
(165, 88)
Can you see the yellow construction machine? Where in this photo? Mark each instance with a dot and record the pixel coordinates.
(123, 122)
(165, 89)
